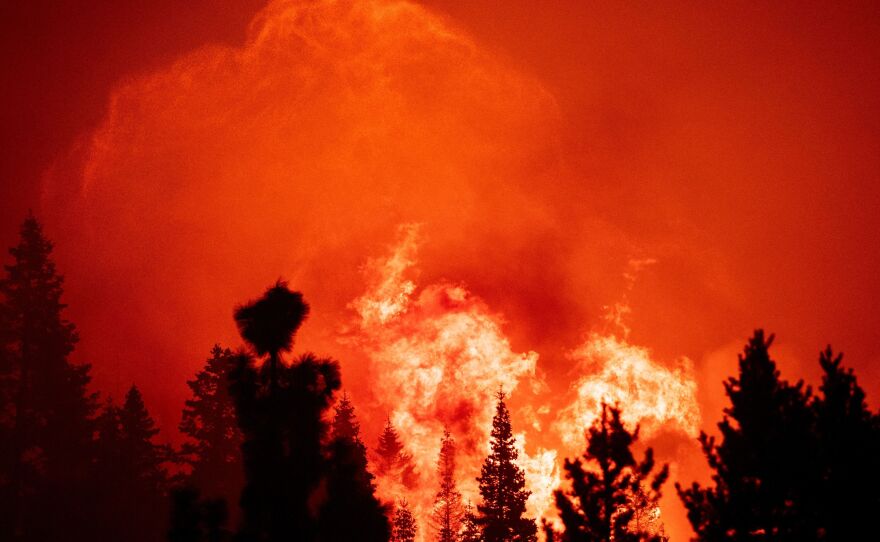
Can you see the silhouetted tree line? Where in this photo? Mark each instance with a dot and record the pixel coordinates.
(264, 460)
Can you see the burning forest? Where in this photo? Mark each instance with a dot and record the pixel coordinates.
(436, 271)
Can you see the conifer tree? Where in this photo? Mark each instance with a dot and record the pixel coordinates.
(351, 510)
(849, 450)
(404, 527)
(213, 451)
(502, 487)
(392, 459)
(447, 504)
(345, 425)
(132, 485)
(765, 477)
(610, 491)
(470, 529)
(46, 412)
(280, 410)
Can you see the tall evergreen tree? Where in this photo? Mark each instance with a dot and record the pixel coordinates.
(765, 467)
(447, 504)
(392, 460)
(610, 491)
(213, 451)
(280, 411)
(470, 529)
(404, 527)
(46, 412)
(132, 486)
(849, 451)
(345, 425)
(351, 510)
(502, 487)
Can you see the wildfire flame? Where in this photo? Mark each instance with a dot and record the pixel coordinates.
(438, 355)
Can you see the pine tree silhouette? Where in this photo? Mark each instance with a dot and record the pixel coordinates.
(46, 412)
(502, 487)
(470, 529)
(393, 461)
(280, 415)
(345, 425)
(447, 503)
(404, 527)
(351, 510)
(766, 467)
(213, 451)
(609, 488)
(132, 487)
(849, 451)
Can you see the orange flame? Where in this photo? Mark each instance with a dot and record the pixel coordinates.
(438, 354)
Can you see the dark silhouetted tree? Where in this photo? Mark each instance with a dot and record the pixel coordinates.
(393, 461)
(849, 452)
(502, 487)
(351, 510)
(404, 527)
(196, 520)
(766, 474)
(281, 418)
(46, 412)
(269, 323)
(447, 503)
(470, 529)
(132, 485)
(213, 451)
(610, 490)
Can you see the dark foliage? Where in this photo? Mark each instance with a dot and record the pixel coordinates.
(132, 486)
(610, 491)
(502, 487)
(470, 529)
(282, 431)
(447, 502)
(766, 467)
(213, 451)
(404, 527)
(197, 520)
(351, 510)
(392, 460)
(269, 323)
(849, 450)
(46, 412)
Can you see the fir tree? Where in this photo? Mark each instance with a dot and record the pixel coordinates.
(849, 448)
(447, 504)
(766, 477)
(470, 529)
(611, 496)
(345, 425)
(351, 510)
(213, 452)
(132, 486)
(404, 527)
(46, 412)
(393, 461)
(502, 487)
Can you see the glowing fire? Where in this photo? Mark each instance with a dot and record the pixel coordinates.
(617, 372)
(438, 355)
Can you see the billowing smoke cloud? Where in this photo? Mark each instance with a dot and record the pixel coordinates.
(298, 154)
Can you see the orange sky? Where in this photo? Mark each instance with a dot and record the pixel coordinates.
(541, 146)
